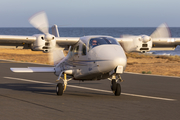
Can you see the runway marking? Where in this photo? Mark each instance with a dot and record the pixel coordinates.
(33, 81)
(93, 89)
(13, 61)
(152, 75)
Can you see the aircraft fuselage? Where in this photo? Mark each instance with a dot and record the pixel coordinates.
(95, 62)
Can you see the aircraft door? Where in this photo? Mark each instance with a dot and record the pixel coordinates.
(76, 53)
(83, 59)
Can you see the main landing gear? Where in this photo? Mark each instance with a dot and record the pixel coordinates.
(60, 88)
(116, 87)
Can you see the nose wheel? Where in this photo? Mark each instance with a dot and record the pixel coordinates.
(113, 87)
(117, 92)
(116, 88)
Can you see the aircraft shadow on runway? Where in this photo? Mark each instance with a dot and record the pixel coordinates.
(50, 89)
(36, 88)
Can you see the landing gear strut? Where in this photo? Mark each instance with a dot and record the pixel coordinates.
(60, 88)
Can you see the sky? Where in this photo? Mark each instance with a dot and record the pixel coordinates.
(92, 13)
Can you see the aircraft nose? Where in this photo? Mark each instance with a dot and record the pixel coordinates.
(113, 56)
(120, 61)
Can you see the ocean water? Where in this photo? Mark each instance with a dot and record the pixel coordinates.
(115, 32)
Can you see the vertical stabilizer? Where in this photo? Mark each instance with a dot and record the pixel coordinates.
(55, 31)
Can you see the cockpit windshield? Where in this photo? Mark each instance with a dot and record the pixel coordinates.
(101, 41)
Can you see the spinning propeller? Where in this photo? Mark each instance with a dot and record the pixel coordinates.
(161, 32)
(40, 22)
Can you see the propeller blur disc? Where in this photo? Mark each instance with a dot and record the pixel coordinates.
(161, 32)
(40, 22)
(56, 55)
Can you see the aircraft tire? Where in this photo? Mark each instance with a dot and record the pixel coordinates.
(113, 87)
(118, 90)
(59, 89)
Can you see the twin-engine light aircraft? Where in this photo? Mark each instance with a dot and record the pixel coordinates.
(89, 57)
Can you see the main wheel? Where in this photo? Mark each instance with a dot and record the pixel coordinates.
(59, 89)
(118, 90)
(113, 87)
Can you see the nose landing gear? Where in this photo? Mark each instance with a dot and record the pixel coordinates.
(116, 87)
(60, 88)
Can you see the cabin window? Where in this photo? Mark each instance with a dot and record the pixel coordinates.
(101, 41)
(84, 49)
(76, 49)
(71, 49)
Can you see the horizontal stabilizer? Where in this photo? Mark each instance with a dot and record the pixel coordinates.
(33, 69)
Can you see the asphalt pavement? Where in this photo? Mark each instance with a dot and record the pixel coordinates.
(32, 96)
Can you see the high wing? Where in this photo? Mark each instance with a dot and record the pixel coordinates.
(35, 42)
(66, 41)
(39, 42)
(132, 44)
(165, 43)
(127, 43)
(12, 40)
(160, 39)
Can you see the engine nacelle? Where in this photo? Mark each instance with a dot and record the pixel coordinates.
(46, 50)
(41, 44)
(141, 43)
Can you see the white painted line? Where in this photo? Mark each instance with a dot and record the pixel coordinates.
(93, 89)
(25, 62)
(151, 97)
(135, 95)
(152, 75)
(99, 90)
(33, 81)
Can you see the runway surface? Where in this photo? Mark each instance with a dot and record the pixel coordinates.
(33, 96)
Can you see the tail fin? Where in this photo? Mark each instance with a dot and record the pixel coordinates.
(55, 31)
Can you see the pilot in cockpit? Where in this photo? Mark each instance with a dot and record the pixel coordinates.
(94, 43)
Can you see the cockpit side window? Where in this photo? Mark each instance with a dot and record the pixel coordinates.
(101, 40)
(71, 49)
(76, 49)
(84, 49)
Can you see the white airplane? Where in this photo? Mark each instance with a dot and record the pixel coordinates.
(93, 57)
